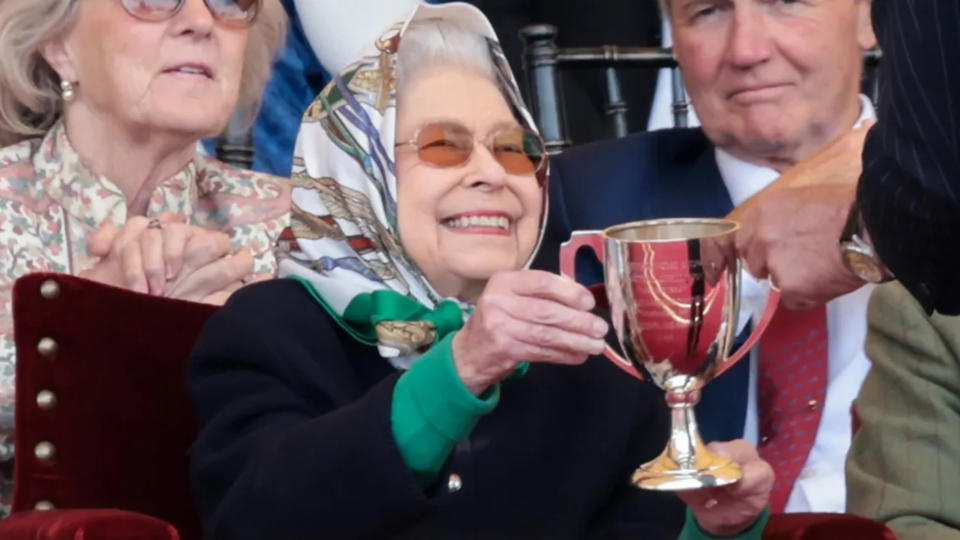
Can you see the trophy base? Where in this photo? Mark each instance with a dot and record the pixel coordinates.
(665, 474)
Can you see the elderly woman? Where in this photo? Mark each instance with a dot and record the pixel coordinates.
(411, 379)
(102, 103)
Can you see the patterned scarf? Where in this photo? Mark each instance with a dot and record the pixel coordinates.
(343, 243)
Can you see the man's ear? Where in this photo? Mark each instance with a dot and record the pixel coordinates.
(865, 35)
(56, 54)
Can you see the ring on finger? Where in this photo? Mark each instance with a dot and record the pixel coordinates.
(154, 223)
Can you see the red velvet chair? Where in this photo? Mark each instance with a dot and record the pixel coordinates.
(104, 424)
(102, 416)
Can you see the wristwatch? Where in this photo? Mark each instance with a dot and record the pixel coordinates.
(857, 250)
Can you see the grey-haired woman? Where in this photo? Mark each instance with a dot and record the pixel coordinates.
(102, 103)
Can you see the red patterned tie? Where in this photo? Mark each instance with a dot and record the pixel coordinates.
(791, 387)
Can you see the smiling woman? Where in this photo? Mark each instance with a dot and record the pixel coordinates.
(102, 103)
(412, 379)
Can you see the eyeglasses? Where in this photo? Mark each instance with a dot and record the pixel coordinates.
(231, 11)
(448, 144)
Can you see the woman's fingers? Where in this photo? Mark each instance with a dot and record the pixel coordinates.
(203, 248)
(526, 316)
(128, 233)
(542, 336)
(216, 276)
(131, 269)
(758, 476)
(175, 237)
(738, 450)
(220, 297)
(539, 284)
(100, 241)
(728, 510)
(551, 313)
(151, 256)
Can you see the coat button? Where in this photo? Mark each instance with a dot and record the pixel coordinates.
(454, 483)
(45, 451)
(813, 405)
(765, 439)
(47, 347)
(43, 506)
(46, 400)
(50, 289)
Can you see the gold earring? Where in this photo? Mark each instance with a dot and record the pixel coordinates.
(66, 90)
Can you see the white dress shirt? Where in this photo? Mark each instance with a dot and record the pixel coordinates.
(821, 486)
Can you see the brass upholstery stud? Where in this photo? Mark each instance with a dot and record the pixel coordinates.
(47, 347)
(45, 451)
(50, 289)
(46, 400)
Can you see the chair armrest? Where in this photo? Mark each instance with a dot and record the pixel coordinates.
(809, 526)
(85, 524)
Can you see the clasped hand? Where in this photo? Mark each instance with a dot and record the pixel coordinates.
(175, 260)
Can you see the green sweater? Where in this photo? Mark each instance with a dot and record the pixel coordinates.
(433, 410)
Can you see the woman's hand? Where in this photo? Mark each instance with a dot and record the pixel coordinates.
(729, 510)
(176, 260)
(210, 272)
(526, 316)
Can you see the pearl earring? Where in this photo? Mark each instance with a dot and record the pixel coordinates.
(66, 90)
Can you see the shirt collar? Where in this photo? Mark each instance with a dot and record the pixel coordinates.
(92, 198)
(744, 179)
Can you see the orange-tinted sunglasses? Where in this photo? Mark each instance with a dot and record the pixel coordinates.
(448, 144)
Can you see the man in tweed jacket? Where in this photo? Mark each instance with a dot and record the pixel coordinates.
(904, 465)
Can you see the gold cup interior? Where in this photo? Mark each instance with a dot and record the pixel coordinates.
(671, 230)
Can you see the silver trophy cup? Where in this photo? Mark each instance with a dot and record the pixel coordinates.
(674, 292)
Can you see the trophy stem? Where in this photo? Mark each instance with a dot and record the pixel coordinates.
(685, 463)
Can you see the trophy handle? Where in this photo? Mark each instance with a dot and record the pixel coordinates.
(773, 300)
(568, 268)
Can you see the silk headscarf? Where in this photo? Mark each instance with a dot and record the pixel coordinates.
(343, 243)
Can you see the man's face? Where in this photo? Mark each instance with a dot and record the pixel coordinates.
(772, 80)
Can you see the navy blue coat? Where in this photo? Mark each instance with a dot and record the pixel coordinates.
(296, 442)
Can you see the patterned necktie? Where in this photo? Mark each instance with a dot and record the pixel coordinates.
(791, 387)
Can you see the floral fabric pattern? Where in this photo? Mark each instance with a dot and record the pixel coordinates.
(50, 202)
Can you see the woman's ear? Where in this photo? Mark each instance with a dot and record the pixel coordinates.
(56, 54)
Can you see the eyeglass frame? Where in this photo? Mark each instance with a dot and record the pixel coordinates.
(485, 141)
(180, 3)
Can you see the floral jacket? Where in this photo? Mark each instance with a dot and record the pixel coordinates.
(50, 202)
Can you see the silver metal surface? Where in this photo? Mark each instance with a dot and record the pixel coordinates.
(674, 291)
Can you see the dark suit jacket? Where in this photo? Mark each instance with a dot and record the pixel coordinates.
(910, 188)
(659, 174)
(296, 441)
